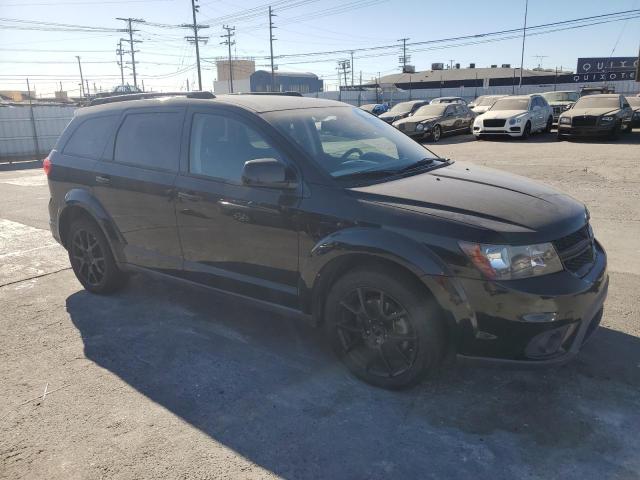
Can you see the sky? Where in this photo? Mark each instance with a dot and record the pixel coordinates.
(47, 56)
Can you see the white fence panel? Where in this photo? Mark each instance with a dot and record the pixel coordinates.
(16, 129)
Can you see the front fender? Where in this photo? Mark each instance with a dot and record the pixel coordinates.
(83, 199)
(400, 250)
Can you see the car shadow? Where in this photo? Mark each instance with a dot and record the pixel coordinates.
(6, 165)
(267, 386)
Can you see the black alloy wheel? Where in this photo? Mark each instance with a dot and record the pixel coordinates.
(527, 131)
(91, 258)
(376, 332)
(384, 327)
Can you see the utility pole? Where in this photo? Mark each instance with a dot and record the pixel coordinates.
(451, 63)
(230, 33)
(81, 79)
(524, 36)
(119, 52)
(271, 39)
(132, 43)
(403, 58)
(187, 84)
(540, 57)
(360, 90)
(87, 89)
(344, 64)
(196, 39)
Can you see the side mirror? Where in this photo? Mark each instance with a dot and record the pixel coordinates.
(267, 173)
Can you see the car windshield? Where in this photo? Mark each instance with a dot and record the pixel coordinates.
(403, 107)
(511, 104)
(347, 142)
(430, 110)
(560, 96)
(598, 102)
(634, 101)
(485, 101)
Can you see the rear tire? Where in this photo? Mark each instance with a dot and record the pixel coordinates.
(91, 258)
(384, 327)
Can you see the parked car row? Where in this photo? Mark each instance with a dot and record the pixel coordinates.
(586, 112)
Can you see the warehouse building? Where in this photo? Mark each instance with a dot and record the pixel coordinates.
(240, 75)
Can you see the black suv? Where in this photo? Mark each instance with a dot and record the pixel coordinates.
(319, 207)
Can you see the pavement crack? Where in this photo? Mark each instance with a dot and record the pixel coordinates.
(34, 277)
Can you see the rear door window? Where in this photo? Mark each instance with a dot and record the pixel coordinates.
(91, 136)
(150, 140)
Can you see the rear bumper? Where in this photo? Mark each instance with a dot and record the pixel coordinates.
(567, 311)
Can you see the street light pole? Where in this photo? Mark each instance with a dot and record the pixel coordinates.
(524, 36)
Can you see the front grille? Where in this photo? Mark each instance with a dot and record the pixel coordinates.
(576, 250)
(494, 122)
(584, 121)
(557, 110)
(402, 126)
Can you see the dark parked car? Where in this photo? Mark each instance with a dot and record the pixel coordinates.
(433, 121)
(402, 110)
(634, 103)
(316, 207)
(596, 115)
(561, 101)
(448, 100)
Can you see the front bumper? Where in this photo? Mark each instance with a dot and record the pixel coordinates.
(510, 130)
(585, 131)
(569, 310)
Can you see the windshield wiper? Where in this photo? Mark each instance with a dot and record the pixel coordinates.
(419, 164)
(366, 174)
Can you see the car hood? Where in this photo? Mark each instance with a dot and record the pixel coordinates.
(519, 209)
(390, 116)
(481, 108)
(591, 111)
(502, 113)
(417, 119)
(560, 103)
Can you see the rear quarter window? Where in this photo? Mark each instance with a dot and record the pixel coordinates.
(150, 140)
(90, 137)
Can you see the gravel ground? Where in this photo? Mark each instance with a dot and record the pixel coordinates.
(165, 381)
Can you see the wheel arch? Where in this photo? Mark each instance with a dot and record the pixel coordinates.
(80, 203)
(333, 257)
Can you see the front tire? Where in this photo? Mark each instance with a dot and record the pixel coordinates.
(384, 327)
(527, 131)
(91, 258)
(547, 129)
(436, 134)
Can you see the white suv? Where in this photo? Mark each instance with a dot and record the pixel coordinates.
(516, 116)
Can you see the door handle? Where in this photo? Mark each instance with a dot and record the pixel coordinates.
(189, 197)
(104, 180)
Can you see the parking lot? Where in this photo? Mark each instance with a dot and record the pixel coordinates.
(166, 381)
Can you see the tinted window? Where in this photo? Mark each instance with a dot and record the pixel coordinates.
(220, 146)
(90, 138)
(150, 140)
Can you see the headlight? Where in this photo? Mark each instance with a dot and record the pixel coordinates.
(607, 119)
(420, 127)
(565, 120)
(513, 121)
(509, 262)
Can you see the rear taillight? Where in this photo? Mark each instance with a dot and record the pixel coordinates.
(46, 166)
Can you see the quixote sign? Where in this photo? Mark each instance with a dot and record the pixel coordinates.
(605, 69)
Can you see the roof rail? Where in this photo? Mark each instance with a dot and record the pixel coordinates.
(143, 96)
(280, 94)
